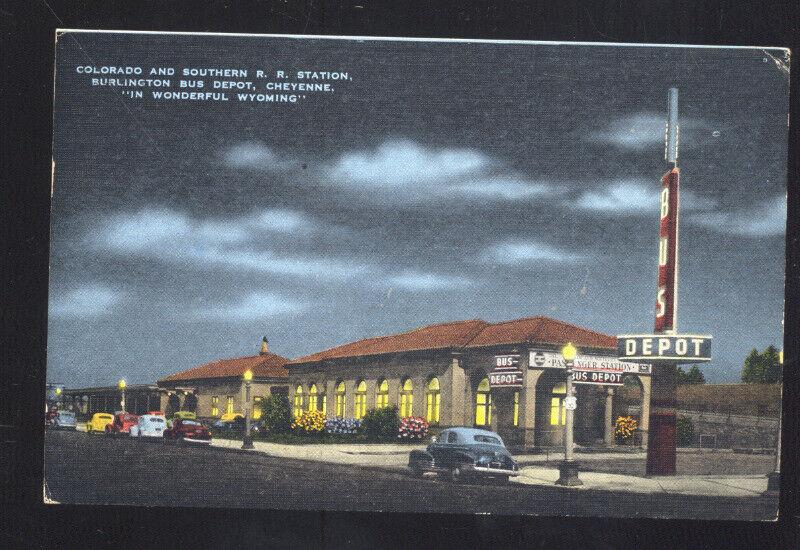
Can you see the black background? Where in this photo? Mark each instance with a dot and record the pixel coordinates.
(27, 70)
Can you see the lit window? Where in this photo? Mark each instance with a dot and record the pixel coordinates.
(214, 405)
(312, 397)
(382, 395)
(483, 404)
(433, 401)
(257, 408)
(558, 414)
(229, 404)
(341, 400)
(298, 401)
(516, 408)
(360, 401)
(324, 401)
(406, 398)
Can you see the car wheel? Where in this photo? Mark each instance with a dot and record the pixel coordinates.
(503, 480)
(457, 475)
(417, 471)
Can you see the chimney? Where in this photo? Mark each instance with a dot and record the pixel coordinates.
(264, 346)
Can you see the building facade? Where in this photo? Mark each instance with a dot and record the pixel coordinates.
(442, 373)
(217, 388)
(139, 399)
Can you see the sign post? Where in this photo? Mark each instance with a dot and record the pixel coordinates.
(665, 349)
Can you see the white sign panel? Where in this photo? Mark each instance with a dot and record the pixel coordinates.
(550, 360)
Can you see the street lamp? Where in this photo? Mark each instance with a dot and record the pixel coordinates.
(568, 469)
(247, 441)
(121, 385)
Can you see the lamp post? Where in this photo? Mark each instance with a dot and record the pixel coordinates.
(568, 469)
(247, 441)
(121, 385)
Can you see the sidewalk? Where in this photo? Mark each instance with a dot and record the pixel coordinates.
(536, 468)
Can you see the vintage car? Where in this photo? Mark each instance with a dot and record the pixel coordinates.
(188, 430)
(230, 417)
(122, 424)
(63, 420)
(98, 422)
(150, 425)
(182, 415)
(460, 454)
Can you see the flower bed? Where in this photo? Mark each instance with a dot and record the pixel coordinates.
(413, 427)
(342, 426)
(310, 422)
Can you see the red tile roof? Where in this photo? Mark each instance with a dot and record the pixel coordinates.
(441, 336)
(268, 365)
(469, 334)
(541, 330)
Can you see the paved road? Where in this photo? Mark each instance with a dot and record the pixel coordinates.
(95, 469)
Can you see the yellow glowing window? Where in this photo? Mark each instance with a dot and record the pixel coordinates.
(483, 404)
(214, 405)
(298, 401)
(516, 408)
(229, 404)
(341, 400)
(360, 401)
(256, 408)
(312, 397)
(558, 414)
(406, 398)
(382, 395)
(433, 400)
(324, 401)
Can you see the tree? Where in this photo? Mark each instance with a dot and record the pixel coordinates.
(772, 365)
(695, 376)
(680, 377)
(276, 413)
(753, 370)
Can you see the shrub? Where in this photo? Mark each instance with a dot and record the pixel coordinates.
(685, 429)
(348, 426)
(310, 422)
(381, 424)
(625, 427)
(276, 414)
(413, 427)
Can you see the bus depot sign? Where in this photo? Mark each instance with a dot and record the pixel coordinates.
(593, 363)
(506, 373)
(678, 348)
(597, 377)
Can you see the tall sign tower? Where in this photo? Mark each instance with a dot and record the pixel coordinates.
(665, 349)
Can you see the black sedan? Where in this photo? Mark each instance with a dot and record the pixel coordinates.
(463, 453)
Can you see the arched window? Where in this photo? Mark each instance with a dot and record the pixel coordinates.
(516, 408)
(382, 394)
(360, 401)
(406, 398)
(298, 401)
(483, 404)
(341, 400)
(312, 397)
(214, 405)
(558, 414)
(433, 400)
(229, 404)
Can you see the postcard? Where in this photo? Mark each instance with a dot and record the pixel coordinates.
(416, 275)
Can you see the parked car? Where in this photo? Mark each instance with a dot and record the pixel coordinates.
(184, 415)
(465, 453)
(98, 422)
(230, 417)
(63, 420)
(150, 425)
(188, 430)
(122, 424)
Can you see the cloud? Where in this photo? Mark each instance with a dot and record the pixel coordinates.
(85, 301)
(256, 305)
(414, 280)
(501, 188)
(235, 244)
(403, 163)
(765, 219)
(526, 252)
(643, 131)
(253, 155)
(636, 197)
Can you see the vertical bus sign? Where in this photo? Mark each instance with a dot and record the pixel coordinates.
(667, 297)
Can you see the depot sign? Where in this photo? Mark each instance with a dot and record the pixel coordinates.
(547, 360)
(679, 348)
(597, 378)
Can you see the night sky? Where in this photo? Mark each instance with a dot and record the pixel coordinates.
(446, 181)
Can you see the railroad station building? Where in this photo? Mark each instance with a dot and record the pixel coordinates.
(213, 389)
(442, 372)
